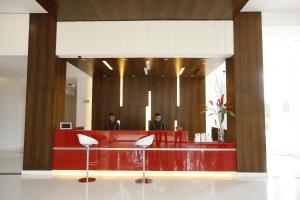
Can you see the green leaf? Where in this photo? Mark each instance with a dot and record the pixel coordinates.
(231, 114)
(204, 110)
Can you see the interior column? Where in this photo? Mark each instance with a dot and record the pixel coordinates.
(46, 80)
(245, 88)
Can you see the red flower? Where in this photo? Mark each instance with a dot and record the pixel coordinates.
(203, 106)
(222, 99)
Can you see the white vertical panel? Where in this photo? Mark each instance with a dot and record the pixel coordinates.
(207, 39)
(229, 36)
(195, 38)
(76, 42)
(162, 35)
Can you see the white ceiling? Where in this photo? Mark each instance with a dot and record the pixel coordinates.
(20, 6)
(13, 66)
(272, 5)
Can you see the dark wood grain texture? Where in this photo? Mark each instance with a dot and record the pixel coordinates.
(45, 93)
(125, 10)
(106, 99)
(246, 88)
(192, 96)
(135, 99)
(163, 99)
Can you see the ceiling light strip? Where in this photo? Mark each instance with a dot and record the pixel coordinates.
(178, 91)
(181, 71)
(107, 65)
(121, 91)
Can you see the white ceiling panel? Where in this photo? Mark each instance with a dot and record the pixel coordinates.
(21, 6)
(272, 5)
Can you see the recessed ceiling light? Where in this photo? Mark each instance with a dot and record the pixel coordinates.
(181, 71)
(107, 65)
(148, 64)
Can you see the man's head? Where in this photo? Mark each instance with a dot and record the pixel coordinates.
(111, 117)
(157, 117)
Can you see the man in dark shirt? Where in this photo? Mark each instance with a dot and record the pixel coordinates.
(157, 124)
(112, 124)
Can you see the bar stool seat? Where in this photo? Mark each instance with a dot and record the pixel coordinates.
(144, 143)
(87, 142)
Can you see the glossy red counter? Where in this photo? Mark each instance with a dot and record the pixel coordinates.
(171, 151)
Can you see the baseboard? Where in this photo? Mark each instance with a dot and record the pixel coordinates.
(104, 173)
(251, 174)
(12, 149)
(107, 174)
(37, 173)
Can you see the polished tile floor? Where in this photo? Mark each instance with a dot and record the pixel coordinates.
(282, 184)
(24, 188)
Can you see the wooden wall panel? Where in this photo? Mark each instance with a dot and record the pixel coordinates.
(246, 87)
(45, 93)
(192, 96)
(135, 91)
(106, 99)
(163, 99)
(230, 87)
(59, 90)
(133, 117)
(135, 99)
(96, 10)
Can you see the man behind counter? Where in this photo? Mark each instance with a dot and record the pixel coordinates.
(112, 124)
(157, 124)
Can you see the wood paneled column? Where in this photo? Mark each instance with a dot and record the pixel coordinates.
(46, 80)
(246, 90)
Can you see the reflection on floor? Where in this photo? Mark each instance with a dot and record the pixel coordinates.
(18, 187)
(11, 162)
(281, 184)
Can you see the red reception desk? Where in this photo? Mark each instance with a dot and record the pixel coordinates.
(171, 151)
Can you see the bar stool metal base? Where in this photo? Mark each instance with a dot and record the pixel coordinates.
(143, 180)
(85, 180)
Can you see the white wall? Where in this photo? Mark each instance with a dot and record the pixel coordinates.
(206, 39)
(215, 85)
(84, 86)
(84, 103)
(14, 32)
(12, 113)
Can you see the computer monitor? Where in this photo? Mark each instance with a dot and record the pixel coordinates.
(65, 125)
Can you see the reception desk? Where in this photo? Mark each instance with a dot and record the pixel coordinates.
(171, 151)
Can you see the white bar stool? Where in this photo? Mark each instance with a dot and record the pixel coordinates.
(87, 141)
(144, 143)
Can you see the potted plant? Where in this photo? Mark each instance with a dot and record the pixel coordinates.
(219, 109)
